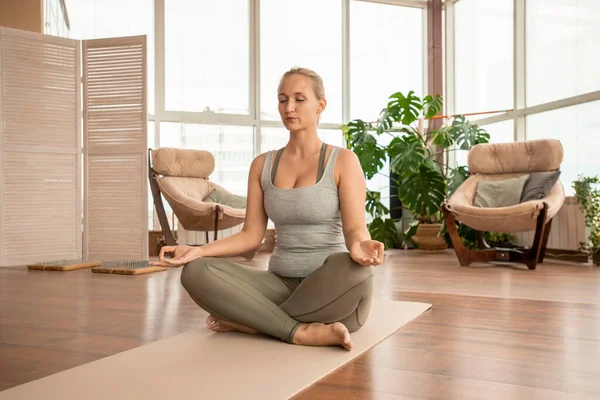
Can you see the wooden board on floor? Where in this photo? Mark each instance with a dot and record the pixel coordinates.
(135, 269)
(60, 266)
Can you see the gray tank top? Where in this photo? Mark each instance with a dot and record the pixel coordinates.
(307, 220)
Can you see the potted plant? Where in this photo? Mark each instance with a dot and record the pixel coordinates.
(417, 155)
(587, 193)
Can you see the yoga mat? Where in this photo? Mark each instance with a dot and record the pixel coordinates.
(201, 364)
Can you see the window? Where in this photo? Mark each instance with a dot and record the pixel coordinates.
(307, 36)
(386, 55)
(562, 49)
(577, 128)
(231, 146)
(97, 19)
(484, 56)
(207, 61)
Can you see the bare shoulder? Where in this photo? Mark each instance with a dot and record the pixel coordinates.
(347, 157)
(347, 165)
(258, 163)
(348, 162)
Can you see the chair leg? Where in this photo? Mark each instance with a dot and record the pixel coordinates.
(465, 256)
(545, 239)
(531, 257)
(158, 204)
(217, 212)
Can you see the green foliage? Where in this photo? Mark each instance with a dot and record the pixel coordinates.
(423, 192)
(415, 156)
(374, 205)
(384, 231)
(587, 193)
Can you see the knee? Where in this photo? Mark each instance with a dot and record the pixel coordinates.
(194, 273)
(343, 261)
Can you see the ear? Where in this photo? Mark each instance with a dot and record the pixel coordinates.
(322, 105)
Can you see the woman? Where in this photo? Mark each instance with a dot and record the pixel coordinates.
(319, 283)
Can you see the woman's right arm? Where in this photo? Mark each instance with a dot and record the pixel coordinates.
(249, 238)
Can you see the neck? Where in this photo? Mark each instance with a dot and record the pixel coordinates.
(303, 143)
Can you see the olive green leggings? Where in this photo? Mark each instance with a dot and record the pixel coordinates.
(339, 291)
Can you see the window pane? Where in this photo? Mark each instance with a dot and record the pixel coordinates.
(484, 56)
(232, 147)
(307, 36)
(386, 55)
(207, 56)
(97, 19)
(500, 132)
(577, 128)
(276, 138)
(562, 49)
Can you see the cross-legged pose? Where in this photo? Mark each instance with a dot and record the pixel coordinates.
(319, 282)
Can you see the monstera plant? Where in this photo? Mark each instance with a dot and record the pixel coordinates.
(417, 156)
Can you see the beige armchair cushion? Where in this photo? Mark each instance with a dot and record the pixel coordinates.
(521, 217)
(183, 162)
(502, 158)
(185, 196)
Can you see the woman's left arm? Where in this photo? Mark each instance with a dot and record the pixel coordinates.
(352, 189)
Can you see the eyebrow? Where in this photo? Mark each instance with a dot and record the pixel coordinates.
(300, 93)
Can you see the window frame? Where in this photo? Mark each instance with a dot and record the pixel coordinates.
(519, 110)
(161, 114)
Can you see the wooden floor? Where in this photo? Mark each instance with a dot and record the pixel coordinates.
(499, 332)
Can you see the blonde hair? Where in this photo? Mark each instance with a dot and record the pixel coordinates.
(314, 77)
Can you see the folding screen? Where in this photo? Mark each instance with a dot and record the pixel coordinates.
(114, 96)
(40, 190)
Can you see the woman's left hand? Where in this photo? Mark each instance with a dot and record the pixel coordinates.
(367, 252)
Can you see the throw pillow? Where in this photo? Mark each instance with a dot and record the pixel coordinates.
(539, 185)
(503, 193)
(223, 197)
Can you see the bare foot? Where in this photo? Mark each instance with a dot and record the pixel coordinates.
(317, 334)
(216, 324)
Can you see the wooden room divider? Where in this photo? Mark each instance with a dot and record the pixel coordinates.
(115, 149)
(45, 214)
(40, 141)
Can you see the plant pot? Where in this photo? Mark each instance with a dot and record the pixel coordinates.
(427, 237)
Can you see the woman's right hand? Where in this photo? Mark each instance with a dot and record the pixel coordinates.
(181, 256)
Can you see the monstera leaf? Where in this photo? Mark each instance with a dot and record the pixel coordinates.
(373, 204)
(385, 121)
(456, 178)
(406, 154)
(384, 232)
(423, 191)
(357, 133)
(466, 134)
(405, 109)
(371, 157)
(432, 105)
(443, 137)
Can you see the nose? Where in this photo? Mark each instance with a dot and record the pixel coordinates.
(290, 107)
